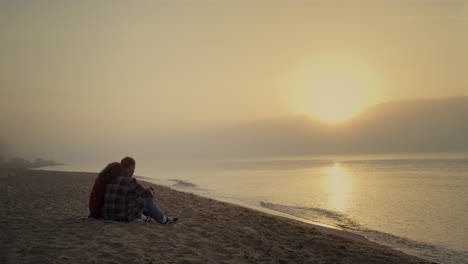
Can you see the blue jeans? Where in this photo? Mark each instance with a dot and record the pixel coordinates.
(153, 211)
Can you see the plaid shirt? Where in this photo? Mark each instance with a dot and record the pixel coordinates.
(123, 199)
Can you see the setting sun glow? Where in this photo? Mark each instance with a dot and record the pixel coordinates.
(333, 91)
(335, 101)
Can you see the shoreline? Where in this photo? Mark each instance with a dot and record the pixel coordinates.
(44, 219)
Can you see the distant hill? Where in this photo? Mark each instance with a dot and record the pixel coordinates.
(438, 125)
(26, 164)
(413, 125)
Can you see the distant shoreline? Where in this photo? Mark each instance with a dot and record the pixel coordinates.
(20, 163)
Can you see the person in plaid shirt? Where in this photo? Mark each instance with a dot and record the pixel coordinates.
(125, 199)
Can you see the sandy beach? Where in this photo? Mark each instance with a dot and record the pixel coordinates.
(43, 220)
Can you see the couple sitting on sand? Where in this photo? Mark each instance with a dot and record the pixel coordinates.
(117, 196)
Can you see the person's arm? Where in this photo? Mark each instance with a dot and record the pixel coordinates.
(140, 190)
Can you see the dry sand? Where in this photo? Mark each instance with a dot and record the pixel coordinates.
(42, 221)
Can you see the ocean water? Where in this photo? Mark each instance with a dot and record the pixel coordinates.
(416, 204)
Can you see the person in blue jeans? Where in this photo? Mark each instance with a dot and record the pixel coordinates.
(152, 211)
(125, 199)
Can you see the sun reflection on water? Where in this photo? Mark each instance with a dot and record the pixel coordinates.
(338, 183)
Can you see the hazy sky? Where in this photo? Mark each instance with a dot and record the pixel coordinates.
(90, 72)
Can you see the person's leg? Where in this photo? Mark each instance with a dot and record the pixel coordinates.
(153, 211)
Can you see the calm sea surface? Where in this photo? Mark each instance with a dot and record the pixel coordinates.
(416, 204)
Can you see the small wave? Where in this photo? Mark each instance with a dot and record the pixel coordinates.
(144, 178)
(423, 250)
(315, 214)
(183, 184)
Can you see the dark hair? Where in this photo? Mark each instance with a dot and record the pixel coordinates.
(127, 162)
(111, 171)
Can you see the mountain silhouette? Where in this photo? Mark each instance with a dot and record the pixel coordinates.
(435, 125)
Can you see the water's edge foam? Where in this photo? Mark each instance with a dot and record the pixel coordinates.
(420, 249)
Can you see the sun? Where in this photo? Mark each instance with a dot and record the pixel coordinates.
(335, 100)
(331, 92)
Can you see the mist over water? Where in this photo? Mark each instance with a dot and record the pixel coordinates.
(437, 125)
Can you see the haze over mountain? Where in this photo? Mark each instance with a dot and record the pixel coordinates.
(436, 125)
(431, 125)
